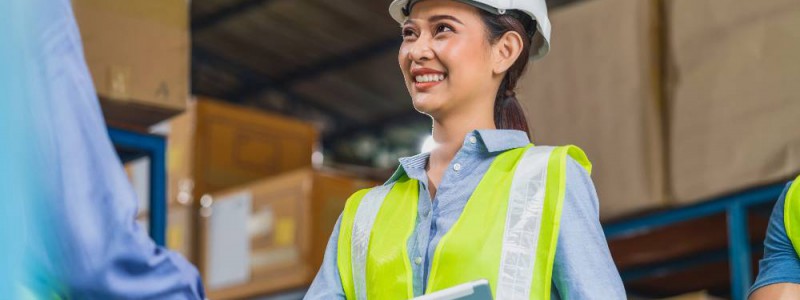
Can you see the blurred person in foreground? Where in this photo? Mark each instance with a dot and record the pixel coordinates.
(484, 203)
(67, 224)
(779, 270)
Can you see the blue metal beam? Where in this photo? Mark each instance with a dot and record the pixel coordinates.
(156, 148)
(650, 222)
(225, 13)
(679, 265)
(739, 247)
(739, 253)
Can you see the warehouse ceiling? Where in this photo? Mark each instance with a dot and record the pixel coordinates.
(329, 62)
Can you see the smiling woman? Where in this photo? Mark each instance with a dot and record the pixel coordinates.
(436, 40)
(482, 203)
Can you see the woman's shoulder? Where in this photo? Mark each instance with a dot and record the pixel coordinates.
(573, 155)
(580, 192)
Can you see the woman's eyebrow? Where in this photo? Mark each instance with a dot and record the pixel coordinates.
(443, 17)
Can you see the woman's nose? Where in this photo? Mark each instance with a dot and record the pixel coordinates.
(421, 50)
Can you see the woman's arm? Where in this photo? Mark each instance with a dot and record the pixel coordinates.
(779, 270)
(778, 291)
(583, 266)
(327, 284)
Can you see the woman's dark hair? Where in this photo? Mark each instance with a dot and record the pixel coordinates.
(508, 113)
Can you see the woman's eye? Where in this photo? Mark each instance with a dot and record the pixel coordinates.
(443, 28)
(407, 32)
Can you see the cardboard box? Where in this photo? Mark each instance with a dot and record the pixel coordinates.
(734, 104)
(138, 54)
(599, 89)
(281, 242)
(233, 145)
(213, 146)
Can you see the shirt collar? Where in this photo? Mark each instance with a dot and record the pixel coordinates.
(487, 141)
(497, 140)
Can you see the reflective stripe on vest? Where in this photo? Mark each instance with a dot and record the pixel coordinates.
(791, 214)
(507, 232)
(362, 227)
(523, 223)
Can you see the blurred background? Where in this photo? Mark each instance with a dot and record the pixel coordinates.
(244, 125)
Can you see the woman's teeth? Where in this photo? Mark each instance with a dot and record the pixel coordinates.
(429, 78)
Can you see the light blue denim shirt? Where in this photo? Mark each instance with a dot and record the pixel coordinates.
(780, 263)
(82, 240)
(583, 268)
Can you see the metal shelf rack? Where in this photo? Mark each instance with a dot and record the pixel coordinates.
(132, 145)
(738, 254)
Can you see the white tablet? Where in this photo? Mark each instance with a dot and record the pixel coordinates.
(474, 290)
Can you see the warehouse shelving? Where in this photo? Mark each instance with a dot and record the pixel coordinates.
(739, 251)
(131, 145)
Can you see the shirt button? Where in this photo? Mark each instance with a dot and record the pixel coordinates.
(457, 167)
(473, 139)
(418, 260)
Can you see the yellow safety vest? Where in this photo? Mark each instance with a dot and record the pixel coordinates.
(791, 214)
(507, 232)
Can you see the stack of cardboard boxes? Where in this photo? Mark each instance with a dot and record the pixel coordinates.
(675, 101)
(244, 202)
(598, 88)
(734, 105)
(262, 212)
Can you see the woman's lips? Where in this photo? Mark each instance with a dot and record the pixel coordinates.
(424, 78)
(424, 86)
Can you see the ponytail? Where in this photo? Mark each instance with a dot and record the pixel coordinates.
(508, 113)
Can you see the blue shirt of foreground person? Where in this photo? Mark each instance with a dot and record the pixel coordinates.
(67, 221)
(779, 270)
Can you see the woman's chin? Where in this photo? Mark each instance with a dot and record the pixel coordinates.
(426, 104)
(425, 107)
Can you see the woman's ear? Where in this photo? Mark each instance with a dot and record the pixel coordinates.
(506, 51)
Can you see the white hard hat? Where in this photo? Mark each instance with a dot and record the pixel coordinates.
(536, 9)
